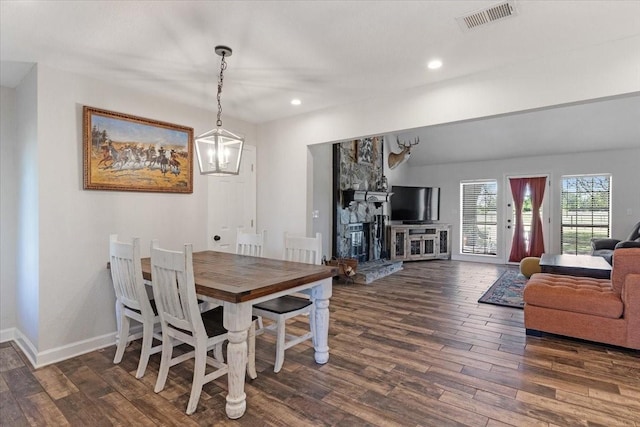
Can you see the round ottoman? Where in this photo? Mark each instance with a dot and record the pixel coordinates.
(529, 266)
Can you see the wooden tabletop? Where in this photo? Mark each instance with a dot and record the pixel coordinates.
(239, 278)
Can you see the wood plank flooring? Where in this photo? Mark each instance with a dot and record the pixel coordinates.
(412, 349)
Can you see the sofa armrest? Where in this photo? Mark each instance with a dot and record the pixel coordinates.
(598, 244)
(628, 244)
(631, 300)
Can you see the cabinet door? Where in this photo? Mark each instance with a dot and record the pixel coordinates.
(423, 247)
(429, 247)
(415, 248)
(444, 243)
(399, 242)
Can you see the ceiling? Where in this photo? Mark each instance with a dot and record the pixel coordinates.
(325, 53)
(604, 124)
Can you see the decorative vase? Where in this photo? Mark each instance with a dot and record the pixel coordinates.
(383, 185)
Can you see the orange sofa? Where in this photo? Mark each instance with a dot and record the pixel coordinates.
(601, 310)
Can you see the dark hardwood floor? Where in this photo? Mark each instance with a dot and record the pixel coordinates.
(412, 349)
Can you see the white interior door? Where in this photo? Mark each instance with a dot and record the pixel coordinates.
(510, 214)
(232, 204)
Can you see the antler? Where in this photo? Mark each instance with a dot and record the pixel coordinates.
(416, 141)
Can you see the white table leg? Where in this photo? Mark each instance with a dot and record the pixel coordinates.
(320, 295)
(237, 320)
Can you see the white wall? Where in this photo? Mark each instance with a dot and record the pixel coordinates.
(8, 203)
(625, 197)
(74, 310)
(322, 194)
(601, 71)
(27, 211)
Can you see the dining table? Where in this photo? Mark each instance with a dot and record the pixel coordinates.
(237, 282)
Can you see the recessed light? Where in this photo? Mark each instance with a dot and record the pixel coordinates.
(434, 64)
(296, 102)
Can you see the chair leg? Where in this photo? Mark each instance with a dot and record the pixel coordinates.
(199, 368)
(217, 353)
(251, 352)
(147, 343)
(123, 335)
(280, 337)
(165, 361)
(260, 328)
(119, 309)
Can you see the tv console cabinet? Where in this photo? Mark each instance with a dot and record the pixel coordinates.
(415, 242)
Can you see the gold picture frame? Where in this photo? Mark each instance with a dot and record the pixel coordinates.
(122, 152)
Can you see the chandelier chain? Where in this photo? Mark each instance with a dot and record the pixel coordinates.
(223, 66)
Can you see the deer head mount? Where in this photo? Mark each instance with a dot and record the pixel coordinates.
(396, 159)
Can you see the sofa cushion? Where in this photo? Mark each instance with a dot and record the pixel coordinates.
(599, 244)
(577, 294)
(625, 261)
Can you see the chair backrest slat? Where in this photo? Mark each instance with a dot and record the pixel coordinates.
(249, 243)
(174, 288)
(303, 249)
(126, 273)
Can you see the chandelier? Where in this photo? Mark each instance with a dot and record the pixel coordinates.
(219, 151)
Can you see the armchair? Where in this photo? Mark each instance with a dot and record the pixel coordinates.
(605, 247)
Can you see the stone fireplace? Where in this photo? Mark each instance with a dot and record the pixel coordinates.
(363, 236)
(361, 200)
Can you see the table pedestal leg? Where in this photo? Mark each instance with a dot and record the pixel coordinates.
(237, 320)
(320, 295)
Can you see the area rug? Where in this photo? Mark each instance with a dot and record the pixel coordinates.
(507, 290)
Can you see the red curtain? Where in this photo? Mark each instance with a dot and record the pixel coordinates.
(518, 248)
(536, 187)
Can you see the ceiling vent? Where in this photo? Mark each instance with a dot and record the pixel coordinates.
(482, 17)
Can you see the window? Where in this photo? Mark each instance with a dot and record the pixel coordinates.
(585, 211)
(479, 217)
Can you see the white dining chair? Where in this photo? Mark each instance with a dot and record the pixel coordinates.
(132, 301)
(250, 243)
(181, 320)
(279, 310)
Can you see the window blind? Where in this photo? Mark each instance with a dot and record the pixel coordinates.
(479, 217)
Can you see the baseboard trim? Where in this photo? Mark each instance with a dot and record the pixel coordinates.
(47, 357)
(74, 349)
(26, 346)
(7, 334)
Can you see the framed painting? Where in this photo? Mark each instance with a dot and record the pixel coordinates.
(128, 153)
(365, 151)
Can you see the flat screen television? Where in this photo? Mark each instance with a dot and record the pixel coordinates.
(415, 205)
